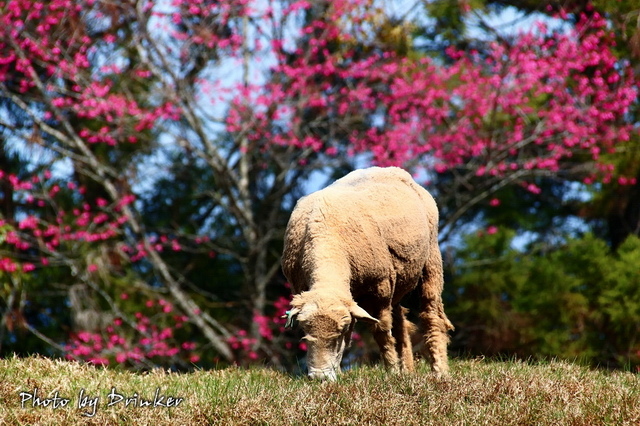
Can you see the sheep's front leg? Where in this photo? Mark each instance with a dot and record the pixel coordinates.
(385, 340)
(400, 332)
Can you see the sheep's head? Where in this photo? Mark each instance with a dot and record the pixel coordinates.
(327, 323)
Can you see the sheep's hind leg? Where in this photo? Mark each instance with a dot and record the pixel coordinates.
(385, 340)
(434, 320)
(436, 339)
(400, 332)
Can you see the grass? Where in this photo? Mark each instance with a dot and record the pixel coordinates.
(477, 393)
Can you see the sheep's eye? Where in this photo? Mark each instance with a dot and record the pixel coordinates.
(346, 326)
(345, 321)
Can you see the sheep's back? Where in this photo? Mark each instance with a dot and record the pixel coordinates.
(379, 220)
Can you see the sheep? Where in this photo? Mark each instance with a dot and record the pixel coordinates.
(351, 252)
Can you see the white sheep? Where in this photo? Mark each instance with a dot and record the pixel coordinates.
(352, 251)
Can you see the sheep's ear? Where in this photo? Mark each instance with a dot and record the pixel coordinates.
(290, 316)
(361, 314)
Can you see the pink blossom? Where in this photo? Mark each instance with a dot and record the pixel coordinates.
(264, 328)
(28, 267)
(31, 222)
(166, 333)
(533, 188)
(188, 346)
(84, 336)
(81, 350)
(99, 361)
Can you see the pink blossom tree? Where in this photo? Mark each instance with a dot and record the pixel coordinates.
(179, 134)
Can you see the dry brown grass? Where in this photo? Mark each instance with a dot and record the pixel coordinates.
(477, 393)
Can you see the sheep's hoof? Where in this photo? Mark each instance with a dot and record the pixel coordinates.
(440, 374)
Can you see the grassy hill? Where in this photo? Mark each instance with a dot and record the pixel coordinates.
(477, 393)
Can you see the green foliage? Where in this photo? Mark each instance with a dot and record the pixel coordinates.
(449, 17)
(577, 301)
(624, 14)
(30, 300)
(614, 209)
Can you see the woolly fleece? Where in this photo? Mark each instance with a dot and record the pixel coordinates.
(364, 242)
